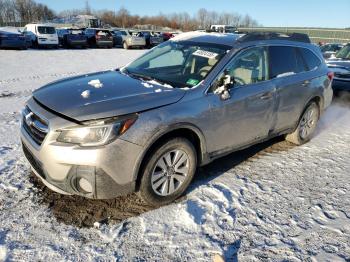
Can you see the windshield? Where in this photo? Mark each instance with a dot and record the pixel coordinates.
(47, 30)
(344, 53)
(179, 64)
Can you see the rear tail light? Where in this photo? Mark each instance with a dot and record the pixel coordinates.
(330, 75)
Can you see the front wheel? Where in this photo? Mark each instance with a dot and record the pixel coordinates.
(125, 45)
(307, 125)
(168, 172)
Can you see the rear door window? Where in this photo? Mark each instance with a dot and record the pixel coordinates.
(283, 61)
(310, 58)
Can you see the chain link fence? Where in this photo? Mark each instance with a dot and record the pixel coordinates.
(316, 34)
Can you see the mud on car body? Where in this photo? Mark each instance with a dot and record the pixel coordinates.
(146, 127)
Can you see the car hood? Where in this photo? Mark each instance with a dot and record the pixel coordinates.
(104, 94)
(336, 62)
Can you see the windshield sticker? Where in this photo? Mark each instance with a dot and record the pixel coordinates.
(206, 54)
(192, 82)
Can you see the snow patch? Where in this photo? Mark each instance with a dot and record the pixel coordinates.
(147, 85)
(96, 83)
(3, 253)
(85, 94)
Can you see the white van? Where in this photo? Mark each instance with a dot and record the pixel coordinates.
(42, 35)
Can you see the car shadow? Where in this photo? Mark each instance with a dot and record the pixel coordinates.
(221, 165)
(83, 212)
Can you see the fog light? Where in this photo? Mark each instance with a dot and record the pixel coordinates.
(85, 185)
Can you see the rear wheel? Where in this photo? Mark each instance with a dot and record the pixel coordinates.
(307, 125)
(168, 172)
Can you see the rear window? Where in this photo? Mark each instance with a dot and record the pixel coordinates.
(103, 33)
(282, 61)
(310, 58)
(47, 30)
(76, 32)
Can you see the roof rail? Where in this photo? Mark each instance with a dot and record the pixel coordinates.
(256, 36)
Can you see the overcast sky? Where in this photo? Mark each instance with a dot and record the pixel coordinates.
(308, 13)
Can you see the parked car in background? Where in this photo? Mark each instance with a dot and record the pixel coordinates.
(10, 37)
(147, 126)
(72, 37)
(132, 39)
(42, 35)
(117, 37)
(329, 50)
(224, 28)
(166, 36)
(99, 37)
(340, 65)
(152, 38)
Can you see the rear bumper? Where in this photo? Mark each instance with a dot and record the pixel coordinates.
(77, 42)
(104, 43)
(340, 85)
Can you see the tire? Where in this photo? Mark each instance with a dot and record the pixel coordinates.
(125, 45)
(306, 126)
(164, 177)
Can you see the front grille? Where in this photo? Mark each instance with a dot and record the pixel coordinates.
(36, 127)
(33, 161)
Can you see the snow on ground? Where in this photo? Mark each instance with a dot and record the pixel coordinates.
(274, 201)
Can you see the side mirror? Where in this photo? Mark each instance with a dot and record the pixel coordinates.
(223, 85)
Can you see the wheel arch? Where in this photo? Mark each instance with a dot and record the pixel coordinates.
(319, 102)
(188, 131)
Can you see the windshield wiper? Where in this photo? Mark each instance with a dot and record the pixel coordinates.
(146, 77)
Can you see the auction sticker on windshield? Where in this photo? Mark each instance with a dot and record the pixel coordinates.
(206, 54)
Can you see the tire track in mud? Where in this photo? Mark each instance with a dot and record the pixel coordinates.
(84, 212)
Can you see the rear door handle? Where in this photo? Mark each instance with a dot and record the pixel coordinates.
(266, 95)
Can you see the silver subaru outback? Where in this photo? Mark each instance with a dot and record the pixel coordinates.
(146, 127)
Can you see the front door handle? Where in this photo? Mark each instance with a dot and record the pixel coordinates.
(306, 83)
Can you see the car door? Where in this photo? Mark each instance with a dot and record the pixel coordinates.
(119, 38)
(246, 116)
(288, 70)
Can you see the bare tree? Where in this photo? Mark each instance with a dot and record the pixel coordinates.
(87, 8)
(123, 15)
(202, 17)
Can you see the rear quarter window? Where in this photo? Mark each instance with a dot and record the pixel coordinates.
(310, 58)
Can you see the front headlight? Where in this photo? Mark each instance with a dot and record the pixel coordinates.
(96, 133)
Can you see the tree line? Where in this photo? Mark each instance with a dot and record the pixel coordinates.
(12, 11)
(26, 11)
(184, 21)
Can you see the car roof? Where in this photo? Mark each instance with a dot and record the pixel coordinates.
(211, 38)
(231, 39)
(47, 25)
